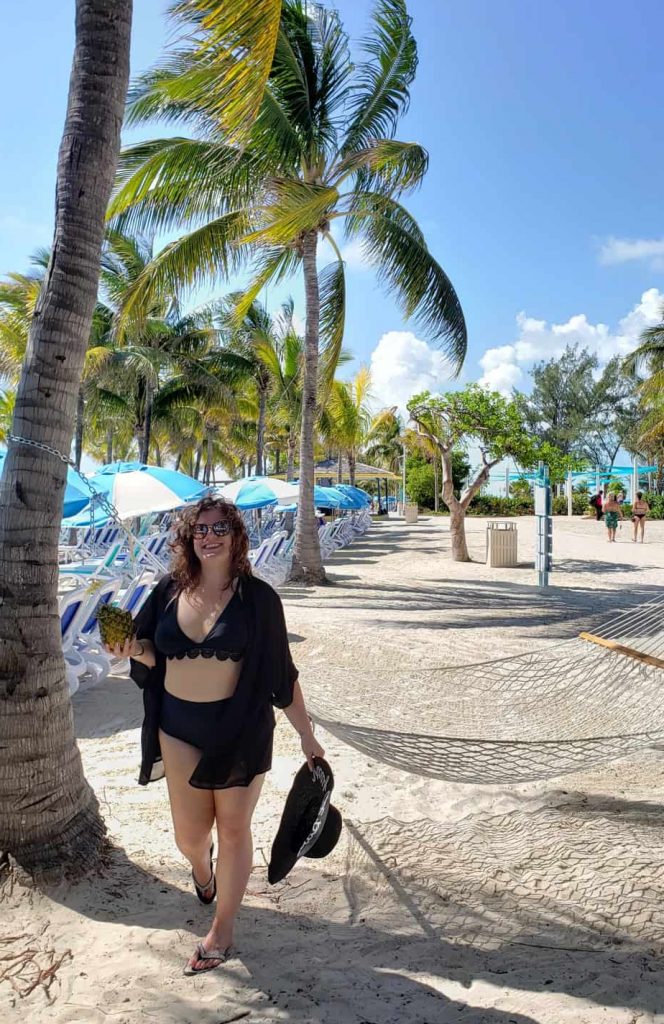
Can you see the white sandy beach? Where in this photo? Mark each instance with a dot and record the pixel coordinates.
(539, 903)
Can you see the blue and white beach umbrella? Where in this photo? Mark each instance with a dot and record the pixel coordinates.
(355, 492)
(77, 495)
(259, 492)
(136, 490)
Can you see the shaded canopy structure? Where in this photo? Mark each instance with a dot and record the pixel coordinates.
(329, 470)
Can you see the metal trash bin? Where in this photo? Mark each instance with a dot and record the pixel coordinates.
(501, 544)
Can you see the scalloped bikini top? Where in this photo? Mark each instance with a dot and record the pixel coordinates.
(226, 640)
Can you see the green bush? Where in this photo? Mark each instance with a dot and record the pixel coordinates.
(493, 505)
(580, 505)
(656, 502)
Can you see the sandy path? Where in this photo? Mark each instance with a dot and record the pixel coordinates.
(443, 901)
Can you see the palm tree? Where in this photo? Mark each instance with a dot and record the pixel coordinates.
(49, 816)
(322, 152)
(646, 366)
(348, 418)
(384, 444)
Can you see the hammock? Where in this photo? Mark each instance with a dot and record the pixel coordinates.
(568, 708)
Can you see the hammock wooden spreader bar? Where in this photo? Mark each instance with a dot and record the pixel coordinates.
(628, 652)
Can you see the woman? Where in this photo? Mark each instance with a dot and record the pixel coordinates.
(612, 512)
(640, 510)
(211, 654)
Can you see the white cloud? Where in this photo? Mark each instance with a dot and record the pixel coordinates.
(354, 256)
(630, 250)
(504, 366)
(402, 365)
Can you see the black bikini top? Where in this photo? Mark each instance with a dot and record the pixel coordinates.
(226, 640)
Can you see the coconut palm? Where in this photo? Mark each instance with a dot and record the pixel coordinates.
(322, 152)
(49, 817)
(347, 419)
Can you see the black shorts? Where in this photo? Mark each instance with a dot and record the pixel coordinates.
(198, 723)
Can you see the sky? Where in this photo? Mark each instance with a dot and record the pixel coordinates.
(543, 198)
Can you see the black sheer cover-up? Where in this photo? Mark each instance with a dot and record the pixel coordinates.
(242, 748)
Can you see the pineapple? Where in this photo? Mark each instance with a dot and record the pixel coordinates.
(115, 625)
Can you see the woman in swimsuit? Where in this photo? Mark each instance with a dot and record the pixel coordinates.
(640, 510)
(211, 654)
(612, 512)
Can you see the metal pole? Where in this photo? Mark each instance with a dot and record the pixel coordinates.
(570, 502)
(403, 491)
(635, 478)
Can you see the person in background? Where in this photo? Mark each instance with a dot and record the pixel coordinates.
(596, 502)
(612, 512)
(640, 510)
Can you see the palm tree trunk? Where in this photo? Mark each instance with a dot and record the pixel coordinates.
(307, 562)
(147, 424)
(178, 460)
(277, 461)
(290, 449)
(352, 467)
(260, 428)
(197, 464)
(78, 436)
(109, 445)
(340, 469)
(49, 816)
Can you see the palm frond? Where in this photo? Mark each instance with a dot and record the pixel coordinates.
(332, 285)
(382, 93)
(389, 166)
(293, 208)
(238, 39)
(167, 182)
(204, 255)
(423, 289)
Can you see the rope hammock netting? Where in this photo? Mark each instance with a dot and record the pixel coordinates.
(571, 707)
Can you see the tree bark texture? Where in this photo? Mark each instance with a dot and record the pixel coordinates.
(260, 427)
(307, 562)
(291, 446)
(49, 817)
(109, 445)
(144, 455)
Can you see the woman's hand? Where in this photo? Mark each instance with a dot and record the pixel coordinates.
(311, 748)
(131, 648)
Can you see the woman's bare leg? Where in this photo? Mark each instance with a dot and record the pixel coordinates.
(192, 809)
(234, 810)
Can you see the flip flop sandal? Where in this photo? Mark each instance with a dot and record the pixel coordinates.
(219, 956)
(201, 889)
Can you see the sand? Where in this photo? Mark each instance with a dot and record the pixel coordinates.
(539, 902)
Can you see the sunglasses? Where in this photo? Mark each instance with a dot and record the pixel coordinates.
(219, 529)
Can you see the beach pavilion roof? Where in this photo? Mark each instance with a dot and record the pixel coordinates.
(363, 471)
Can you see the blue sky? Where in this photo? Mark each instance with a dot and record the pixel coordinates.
(543, 124)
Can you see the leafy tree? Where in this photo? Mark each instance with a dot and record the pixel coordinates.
(577, 409)
(454, 420)
(422, 480)
(322, 151)
(49, 817)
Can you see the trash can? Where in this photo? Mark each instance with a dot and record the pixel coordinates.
(501, 544)
(410, 513)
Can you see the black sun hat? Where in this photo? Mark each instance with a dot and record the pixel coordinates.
(310, 826)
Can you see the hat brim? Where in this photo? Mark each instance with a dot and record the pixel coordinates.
(308, 803)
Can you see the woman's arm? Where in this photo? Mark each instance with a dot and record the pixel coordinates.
(296, 713)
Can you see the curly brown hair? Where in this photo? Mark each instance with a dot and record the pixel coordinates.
(185, 566)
